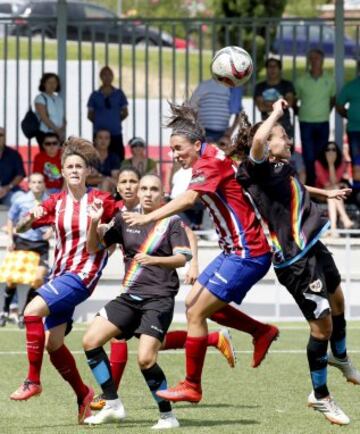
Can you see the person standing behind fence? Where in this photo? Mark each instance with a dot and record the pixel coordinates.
(11, 172)
(215, 105)
(270, 90)
(350, 94)
(107, 108)
(49, 108)
(316, 92)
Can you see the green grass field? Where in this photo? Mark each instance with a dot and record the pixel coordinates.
(171, 71)
(270, 399)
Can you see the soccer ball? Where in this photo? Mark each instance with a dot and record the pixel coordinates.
(231, 66)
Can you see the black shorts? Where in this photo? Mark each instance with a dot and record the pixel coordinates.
(310, 279)
(150, 316)
(41, 247)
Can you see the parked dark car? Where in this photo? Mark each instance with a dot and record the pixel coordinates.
(297, 37)
(104, 24)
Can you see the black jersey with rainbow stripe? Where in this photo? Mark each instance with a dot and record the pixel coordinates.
(165, 237)
(294, 221)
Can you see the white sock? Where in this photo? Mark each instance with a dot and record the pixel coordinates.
(113, 403)
(166, 415)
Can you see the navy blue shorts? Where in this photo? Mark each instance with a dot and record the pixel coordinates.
(62, 294)
(229, 277)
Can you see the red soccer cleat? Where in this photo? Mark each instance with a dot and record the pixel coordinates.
(184, 391)
(84, 406)
(262, 344)
(26, 391)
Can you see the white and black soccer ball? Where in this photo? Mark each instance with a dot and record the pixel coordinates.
(231, 66)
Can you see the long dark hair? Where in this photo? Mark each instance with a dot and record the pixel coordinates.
(184, 122)
(243, 140)
(82, 148)
(322, 155)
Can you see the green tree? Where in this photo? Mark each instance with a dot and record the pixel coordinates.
(251, 33)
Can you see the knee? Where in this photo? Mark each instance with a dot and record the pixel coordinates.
(195, 316)
(90, 342)
(31, 310)
(324, 333)
(146, 361)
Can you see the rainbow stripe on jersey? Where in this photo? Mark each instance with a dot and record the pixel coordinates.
(151, 243)
(297, 212)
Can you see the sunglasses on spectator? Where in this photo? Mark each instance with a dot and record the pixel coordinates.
(330, 149)
(53, 143)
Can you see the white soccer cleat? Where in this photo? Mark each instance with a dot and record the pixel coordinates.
(328, 407)
(166, 421)
(107, 414)
(346, 367)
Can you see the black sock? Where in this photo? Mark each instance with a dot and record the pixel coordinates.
(338, 337)
(100, 366)
(317, 357)
(8, 297)
(156, 380)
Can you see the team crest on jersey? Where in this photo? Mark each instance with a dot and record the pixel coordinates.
(199, 179)
(316, 286)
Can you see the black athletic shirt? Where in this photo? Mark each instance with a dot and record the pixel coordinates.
(294, 221)
(166, 237)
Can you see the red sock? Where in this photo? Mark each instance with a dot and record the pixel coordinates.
(213, 339)
(35, 342)
(230, 317)
(195, 350)
(65, 363)
(175, 340)
(118, 360)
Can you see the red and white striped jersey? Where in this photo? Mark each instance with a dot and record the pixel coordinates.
(71, 223)
(235, 220)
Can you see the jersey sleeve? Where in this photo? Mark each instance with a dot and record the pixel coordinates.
(113, 235)
(109, 206)
(343, 98)
(206, 176)
(179, 240)
(49, 217)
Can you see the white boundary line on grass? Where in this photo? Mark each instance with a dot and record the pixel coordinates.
(181, 352)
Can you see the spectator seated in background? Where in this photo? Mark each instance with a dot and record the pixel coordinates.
(48, 163)
(49, 107)
(330, 171)
(11, 172)
(139, 160)
(270, 90)
(104, 176)
(33, 240)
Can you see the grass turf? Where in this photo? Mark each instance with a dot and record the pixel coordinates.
(270, 399)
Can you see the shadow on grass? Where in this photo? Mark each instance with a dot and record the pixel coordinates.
(222, 405)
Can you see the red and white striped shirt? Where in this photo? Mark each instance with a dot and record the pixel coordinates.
(71, 223)
(236, 223)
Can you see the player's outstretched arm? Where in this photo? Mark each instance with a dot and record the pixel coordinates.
(175, 206)
(24, 223)
(95, 212)
(337, 193)
(174, 261)
(258, 146)
(193, 271)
